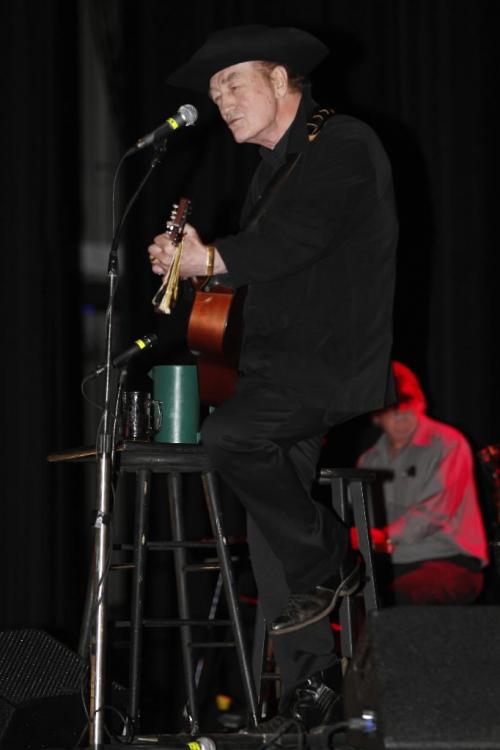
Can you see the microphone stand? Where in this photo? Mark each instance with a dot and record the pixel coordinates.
(104, 459)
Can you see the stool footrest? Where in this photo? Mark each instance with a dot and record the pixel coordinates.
(165, 546)
(162, 546)
(177, 623)
(202, 567)
(212, 644)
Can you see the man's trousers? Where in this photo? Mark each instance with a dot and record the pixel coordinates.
(265, 445)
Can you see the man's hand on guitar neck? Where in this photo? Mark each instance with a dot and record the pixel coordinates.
(194, 255)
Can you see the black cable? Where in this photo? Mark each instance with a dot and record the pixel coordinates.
(79, 741)
(283, 730)
(103, 578)
(115, 185)
(84, 382)
(160, 151)
(102, 429)
(125, 721)
(83, 680)
(116, 415)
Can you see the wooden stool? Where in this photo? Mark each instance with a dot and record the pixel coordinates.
(171, 460)
(349, 493)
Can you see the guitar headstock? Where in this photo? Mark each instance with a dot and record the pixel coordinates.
(177, 220)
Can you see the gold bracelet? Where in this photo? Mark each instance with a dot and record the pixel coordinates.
(210, 260)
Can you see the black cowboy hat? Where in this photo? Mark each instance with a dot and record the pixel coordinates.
(297, 49)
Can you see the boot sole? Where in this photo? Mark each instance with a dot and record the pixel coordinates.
(347, 587)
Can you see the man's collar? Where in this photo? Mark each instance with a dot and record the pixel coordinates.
(275, 156)
(294, 140)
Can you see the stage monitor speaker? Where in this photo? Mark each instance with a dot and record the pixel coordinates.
(432, 677)
(41, 687)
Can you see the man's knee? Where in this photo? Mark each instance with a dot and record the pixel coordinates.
(219, 432)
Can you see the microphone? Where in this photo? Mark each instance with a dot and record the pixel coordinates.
(200, 743)
(139, 345)
(185, 116)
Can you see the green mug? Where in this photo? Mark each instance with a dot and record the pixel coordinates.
(176, 387)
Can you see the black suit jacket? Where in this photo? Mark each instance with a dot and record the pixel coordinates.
(320, 265)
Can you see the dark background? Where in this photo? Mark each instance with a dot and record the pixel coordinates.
(424, 73)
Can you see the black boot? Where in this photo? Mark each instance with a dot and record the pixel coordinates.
(317, 702)
(305, 609)
(313, 703)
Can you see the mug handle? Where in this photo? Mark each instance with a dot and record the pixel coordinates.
(157, 415)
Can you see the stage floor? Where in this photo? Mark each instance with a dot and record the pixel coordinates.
(232, 741)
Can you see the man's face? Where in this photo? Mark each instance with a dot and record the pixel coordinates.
(398, 424)
(247, 101)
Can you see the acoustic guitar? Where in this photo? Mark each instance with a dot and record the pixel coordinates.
(214, 336)
(215, 323)
(166, 295)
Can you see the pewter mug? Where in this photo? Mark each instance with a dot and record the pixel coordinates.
(142, 416)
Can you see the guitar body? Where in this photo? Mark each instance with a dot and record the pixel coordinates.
(214, 336)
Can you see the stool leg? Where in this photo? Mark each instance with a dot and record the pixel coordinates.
(142, 492)
(262, 653)
(259, 645)
(174, 483)
(346, 609)
(359, 502)
(212, 498)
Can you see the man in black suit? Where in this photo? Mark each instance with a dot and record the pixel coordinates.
(316, 252)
